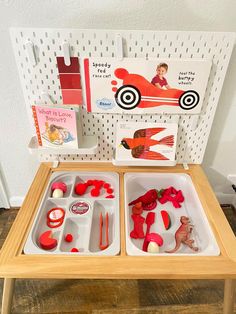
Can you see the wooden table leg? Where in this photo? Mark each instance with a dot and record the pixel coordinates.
(229, 296)
(8, 290)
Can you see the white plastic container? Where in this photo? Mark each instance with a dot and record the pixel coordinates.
(84, 227)
(137, 184)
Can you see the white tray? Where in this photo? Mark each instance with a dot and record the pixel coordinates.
(85, 227)
(136, 184)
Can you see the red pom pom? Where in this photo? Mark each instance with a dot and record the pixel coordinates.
(106, 185)
(74, 249)
(99, 184)
(110, 191)
(95, 192)
(69, 237)
(90, 182)
(80, 188)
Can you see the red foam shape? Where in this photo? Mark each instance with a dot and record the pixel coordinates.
(68, 237)
(46, 241)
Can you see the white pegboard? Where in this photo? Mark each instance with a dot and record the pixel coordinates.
(192, 140)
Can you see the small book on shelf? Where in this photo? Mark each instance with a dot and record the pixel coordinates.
(56, 127)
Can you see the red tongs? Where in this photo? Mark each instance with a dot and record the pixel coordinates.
(103, 247)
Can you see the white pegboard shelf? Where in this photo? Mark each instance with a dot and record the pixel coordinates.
(89, 146)
(193, 131)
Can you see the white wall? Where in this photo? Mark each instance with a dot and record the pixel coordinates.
(17, 166)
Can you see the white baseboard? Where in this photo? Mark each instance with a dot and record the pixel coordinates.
(226, 198)
(16, 201)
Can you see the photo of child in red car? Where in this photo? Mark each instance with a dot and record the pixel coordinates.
(159, 80)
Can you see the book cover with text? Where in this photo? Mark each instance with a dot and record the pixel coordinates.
(55, 127)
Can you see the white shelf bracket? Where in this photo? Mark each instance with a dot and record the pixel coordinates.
(47, 97)
(66, 52)
(119, 47)
(55, 163)
(31, 52)
(195, 122)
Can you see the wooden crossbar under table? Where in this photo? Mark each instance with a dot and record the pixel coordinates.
(14, 264)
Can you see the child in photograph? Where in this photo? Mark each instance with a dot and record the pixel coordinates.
(159, 80)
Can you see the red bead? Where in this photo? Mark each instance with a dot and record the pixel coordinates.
(110, 191)
(106, 185)
(69, 237)
(74, 249)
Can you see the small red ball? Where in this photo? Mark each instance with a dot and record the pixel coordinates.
(106, 185)
(90, 182)
(110, 191)
(74, 249)
(69, 237)
(80, 188)
(95, 192)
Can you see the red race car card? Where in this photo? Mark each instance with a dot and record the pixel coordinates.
(138, 86)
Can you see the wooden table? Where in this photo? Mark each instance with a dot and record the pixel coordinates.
(14, 264)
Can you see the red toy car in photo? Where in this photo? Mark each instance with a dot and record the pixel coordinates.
(137, 91)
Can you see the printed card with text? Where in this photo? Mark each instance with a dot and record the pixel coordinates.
(138, 86)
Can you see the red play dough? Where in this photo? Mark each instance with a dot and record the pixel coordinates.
(80, 188)
(74, 249)
(68, 237)
(46, 241)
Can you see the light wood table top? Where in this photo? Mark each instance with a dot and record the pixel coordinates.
(14, 264)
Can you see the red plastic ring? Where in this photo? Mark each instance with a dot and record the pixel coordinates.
(58, 219)
(54, 226)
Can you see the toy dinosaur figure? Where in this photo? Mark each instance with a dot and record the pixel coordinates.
(182, 235)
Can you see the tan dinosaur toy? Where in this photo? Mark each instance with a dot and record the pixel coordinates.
(182, 235)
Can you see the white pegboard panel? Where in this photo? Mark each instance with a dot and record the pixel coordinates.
(147, 44)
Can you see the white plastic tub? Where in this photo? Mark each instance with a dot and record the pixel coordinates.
(137, 184)
(84, 227)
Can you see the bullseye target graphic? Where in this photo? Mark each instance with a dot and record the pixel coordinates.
(127, 97)
(189, 100)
